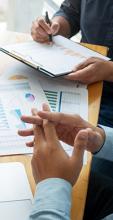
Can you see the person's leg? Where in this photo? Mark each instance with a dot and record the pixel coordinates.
(99, 202)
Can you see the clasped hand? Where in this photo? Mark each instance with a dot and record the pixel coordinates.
(49, 158)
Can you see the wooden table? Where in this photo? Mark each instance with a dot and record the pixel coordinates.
(95, 90)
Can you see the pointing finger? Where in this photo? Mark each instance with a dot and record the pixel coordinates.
(25, 133)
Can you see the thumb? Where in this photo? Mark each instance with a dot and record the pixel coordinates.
(80, 144)
(55, 28)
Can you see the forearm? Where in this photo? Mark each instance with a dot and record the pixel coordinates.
(65, 29)
(52, 200)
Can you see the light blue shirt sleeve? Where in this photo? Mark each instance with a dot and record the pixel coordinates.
(52, 200)
(106, 151)
(109, 217)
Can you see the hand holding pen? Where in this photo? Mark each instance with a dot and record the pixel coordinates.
(42, 28)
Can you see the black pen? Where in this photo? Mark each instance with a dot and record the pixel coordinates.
(48, 21)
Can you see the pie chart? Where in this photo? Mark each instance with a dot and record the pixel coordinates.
(30, 97)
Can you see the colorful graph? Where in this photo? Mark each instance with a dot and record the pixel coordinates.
(30, 97)
(17, 115)
(52, 98)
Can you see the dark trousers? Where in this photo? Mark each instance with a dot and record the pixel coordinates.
(99, 202)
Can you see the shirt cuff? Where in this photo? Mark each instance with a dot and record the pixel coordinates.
(106, 152)
(52, 193)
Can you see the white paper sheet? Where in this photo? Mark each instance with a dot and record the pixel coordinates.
(15, 193)
(66, 97)
(63, 95)
(16, 98)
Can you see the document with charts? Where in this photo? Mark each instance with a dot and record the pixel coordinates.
(63, 95)
(57, 59)
(16, 98)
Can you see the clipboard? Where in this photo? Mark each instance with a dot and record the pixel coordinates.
(54, 60)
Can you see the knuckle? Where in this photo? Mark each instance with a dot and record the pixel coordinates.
(61, 116)
(94, 66)
(51, 116)
(40, 20)
(42, 34)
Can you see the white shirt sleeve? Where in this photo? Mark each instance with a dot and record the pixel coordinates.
(52, 200)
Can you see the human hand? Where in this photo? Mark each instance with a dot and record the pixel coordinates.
(67, 127)
(40, 30)
(92, 70)
(49, 158)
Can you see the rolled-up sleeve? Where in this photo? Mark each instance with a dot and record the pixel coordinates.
(70, 10)
(52, 200)
(106, 151)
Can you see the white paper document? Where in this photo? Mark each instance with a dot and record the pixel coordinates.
(63, 95)
(15, 193)
(57, 59)
(17, 98)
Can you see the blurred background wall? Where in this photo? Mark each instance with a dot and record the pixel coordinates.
(17, 15)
